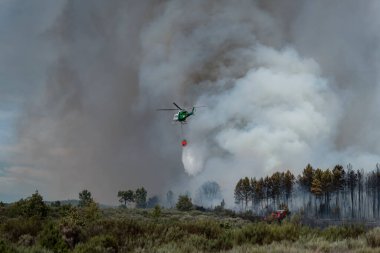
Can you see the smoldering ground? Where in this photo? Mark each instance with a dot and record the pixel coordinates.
(286, 83)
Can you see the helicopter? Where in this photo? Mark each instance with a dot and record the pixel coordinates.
(181, 117)
(182, 114)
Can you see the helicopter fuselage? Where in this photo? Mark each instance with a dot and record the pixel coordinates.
(182, 115)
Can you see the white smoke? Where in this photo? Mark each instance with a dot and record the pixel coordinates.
(193, 159)
(282, 114)
(277, 115)
(269, 107)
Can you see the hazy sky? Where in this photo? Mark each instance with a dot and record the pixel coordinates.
(24, 56)
(286, 83)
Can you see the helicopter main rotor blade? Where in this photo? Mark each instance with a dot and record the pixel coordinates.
(177, 106)
(189, 108)
(166, 109)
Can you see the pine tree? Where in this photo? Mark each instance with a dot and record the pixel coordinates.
(288, 185)
(140, 197)
(246, 191)
(316, 186)
(267, 189)
(126, 196)
(254, 198)
(276, 182)
(360, 174)
(338, 181)
(306, 178)
(238, 193)
(352, 179)
(327, 188)
(85, 198)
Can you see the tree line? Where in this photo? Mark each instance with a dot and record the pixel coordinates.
(208, 195)
(327, 193)
(264, 192)
(137, 197)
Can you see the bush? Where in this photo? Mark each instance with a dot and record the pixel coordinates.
(208, 229)
(157, 211)
(85, 198)
(98, 244)
(51, 238)
(255, 234)
(123, 230)
(71, 231)
(223, 242)
(262, 233)
(80, 217)
(33, 206)
(33, 249)
(373, 237)
(13, 228)
(26, 240)
(342, 232)
(184, 203)
(174, 233)
(6, 248)
(90, 213)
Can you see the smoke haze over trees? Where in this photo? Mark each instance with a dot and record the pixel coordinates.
(338, 193)
(286, 83)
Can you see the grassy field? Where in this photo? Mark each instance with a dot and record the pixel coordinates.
(90, 229)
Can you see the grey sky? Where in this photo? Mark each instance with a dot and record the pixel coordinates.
(24, 56)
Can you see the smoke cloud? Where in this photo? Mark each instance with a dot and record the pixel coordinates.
(285, 83)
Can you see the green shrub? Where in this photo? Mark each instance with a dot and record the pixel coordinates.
(262, 233)
(6, 248)
(33, 249)
(342, 232)
(90, 213)
(209, 229)
(80, 217)
(173, 233)
(132, 230)
(373, 237)
(60, 211)
(287, 231)
(98, 244)
(26, 240)
(127, 232)
(156, 211)
(33, 206)
(71, 232)
(255, 234)
(52, 239)
(223, 242)
(184, 203)
(13, 228)
(201, 243)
